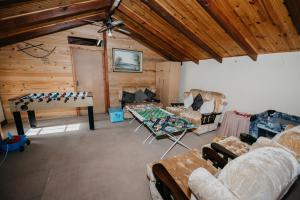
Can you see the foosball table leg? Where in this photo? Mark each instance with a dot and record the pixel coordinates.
(18, 122)
(31, 118)
(91, 117)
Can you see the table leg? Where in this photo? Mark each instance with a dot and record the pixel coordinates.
(179, 142)
(18, 122)
(175, 142)
(152, 140)
(130, 122)
(31, 118)
(91, 117)
(137, 128)
(147, 138)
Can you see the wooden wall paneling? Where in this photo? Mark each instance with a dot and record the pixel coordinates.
(118, 80)
(151, 39)
(228, 25)
(21, 74)
(53, 26)
(171, 19)
(11, 22)
(142, 15)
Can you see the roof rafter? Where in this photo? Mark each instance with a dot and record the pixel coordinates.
(141, 34)
(162, 12)
(53, 26)
(155, 30)
(225, 23)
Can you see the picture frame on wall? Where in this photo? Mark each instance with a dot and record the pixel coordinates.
(127, 60)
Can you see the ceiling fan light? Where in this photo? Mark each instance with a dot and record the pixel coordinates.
(109, 33)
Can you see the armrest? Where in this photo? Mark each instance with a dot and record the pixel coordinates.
(222, 150)
(177, 104)
(214, 157)
(249, 139)
(205, 186)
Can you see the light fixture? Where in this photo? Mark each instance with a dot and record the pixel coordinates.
(109, 32)
(99, 43)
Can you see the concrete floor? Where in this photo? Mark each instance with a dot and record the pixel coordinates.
(68, 161)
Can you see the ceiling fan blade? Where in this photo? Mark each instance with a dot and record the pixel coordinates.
(117, 23)
(102, 30)
(123, 31)
(93, 22)
(114, 6)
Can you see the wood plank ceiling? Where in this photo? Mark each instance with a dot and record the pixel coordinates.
(189, 30)
(211, 28)
(33, 18)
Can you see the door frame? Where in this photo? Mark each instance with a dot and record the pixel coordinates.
(105, 71)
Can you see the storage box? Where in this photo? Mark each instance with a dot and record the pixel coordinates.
(116, 114)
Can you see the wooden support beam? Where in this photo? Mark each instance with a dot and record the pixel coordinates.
(140, 33)
(106, 72)
(53, 26)
(17, 21)
(229, 27)
(157, 31)
(163, 13)
(143, 41)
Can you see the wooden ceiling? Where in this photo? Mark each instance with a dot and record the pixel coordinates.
(189, 30)
(33, 18)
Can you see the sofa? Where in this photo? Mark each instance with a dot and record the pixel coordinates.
(265, 170)
(125, 106)
(204, 122)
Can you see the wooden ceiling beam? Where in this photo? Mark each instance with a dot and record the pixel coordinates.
(143, 41)
(151, 40)
(155, 30)
(12, 22)
(53, 26)
(163, 13)
(225, 23)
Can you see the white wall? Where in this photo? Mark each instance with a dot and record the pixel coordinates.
(272, 82)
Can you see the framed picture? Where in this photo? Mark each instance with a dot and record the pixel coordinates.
(127, 60)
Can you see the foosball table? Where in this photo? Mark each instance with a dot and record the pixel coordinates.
(40, 101)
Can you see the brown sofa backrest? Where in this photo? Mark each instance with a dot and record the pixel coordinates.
(208, 96)
(134, 89)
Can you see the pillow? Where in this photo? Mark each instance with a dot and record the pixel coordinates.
(140, 96)
(207, 107)
(150, 94)
(198, 101)
(188, 101)
(205, 186)
(127, 97)
(291, 140)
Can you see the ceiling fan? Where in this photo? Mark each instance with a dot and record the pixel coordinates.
(109, 23)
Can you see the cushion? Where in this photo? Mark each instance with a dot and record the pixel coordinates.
(149, 93)
(291, 140)
(128, 97)
(263, 173)
(207, 107)
(198, 101)
(205, 186)
(140, 96)
(188, 101)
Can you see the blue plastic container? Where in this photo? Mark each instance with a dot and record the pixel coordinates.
(116, 114)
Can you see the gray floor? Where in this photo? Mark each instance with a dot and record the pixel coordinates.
(65, 163)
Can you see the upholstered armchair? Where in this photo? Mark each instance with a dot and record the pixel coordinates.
(205, 122)
(264, 170)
